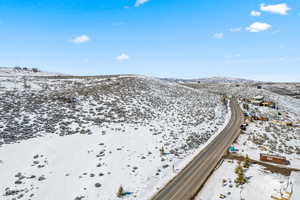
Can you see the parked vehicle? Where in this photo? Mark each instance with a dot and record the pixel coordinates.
(243, 126)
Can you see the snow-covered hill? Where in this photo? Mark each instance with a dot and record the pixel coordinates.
(212, 80)
(83, 138)
(18, 71)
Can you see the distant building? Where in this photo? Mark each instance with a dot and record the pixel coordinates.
(258, 98)
(256, 102)
(282, 123)
(269, 104)
(274, 159)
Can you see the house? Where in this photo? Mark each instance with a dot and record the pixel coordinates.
(268, 104)
(260, 118)
(274, 159)
(256, 102)
(282, 123)
(258, 98)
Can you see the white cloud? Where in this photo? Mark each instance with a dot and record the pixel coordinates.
(80, 39)
(218, 35)
(122, 57)
(232, 56)
(258, 27)
(281, 9)
(238, 29)
(140, 2)
(255, 13)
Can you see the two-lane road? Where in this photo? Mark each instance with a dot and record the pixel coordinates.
(188, 182)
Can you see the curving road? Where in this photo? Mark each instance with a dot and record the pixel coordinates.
(190, 180)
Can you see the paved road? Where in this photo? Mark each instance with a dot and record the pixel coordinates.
(188, 182)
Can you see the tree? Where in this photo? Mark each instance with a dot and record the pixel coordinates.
(239, 169)
(224, 100)
(240, 179)
(17, 68)
(246, 162)
(35, 69)
(120, 192)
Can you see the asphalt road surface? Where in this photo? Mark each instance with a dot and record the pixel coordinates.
(188, 182)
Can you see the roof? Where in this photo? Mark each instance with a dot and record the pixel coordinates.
(274, 156)
(258, 97)
(268, 102)
(256, 101)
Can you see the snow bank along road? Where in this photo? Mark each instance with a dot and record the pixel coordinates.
(187, 183)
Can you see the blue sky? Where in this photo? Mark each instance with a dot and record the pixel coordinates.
(167, 38)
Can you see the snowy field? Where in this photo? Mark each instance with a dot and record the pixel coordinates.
(84, 138)
(261, 184)
(291, 89)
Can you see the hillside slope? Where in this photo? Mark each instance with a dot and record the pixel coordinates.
(83, 138)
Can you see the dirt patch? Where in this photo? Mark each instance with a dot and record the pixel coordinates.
(272, 168)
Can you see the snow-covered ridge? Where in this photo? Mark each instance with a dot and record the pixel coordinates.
(19, 71)
(212, 80)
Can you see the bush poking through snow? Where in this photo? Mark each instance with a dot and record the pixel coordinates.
(239, 168)
(162, 151)
(246, 163)
(97, 185)
(240, 179)
(120, 192)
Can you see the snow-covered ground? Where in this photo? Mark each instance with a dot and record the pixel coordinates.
(295, 179)
(268, 137)
(83, 138)
(271, 137)
(72, 165)
(261, 184)
(291, 89)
